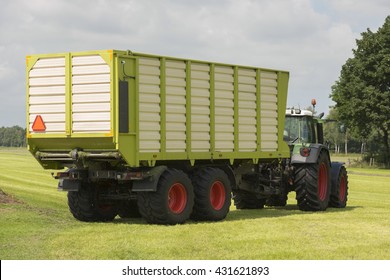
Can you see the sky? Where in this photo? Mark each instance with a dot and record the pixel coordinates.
(310, 39)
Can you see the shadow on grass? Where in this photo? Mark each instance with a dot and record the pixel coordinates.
(277, 212)
(251, 214)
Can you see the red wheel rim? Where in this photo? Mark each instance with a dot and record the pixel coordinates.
(343, 189)
(322, 182)
(177, 198)
(217, 195)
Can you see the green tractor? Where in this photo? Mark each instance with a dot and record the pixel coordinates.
(318, 182)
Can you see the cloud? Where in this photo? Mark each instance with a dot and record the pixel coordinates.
(311, 39)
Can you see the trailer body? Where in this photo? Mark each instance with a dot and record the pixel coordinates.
(144, 109)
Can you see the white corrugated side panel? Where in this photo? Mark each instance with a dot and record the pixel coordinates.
(47, 94)
(247, 110)
(149, 105)
(224, 108)
(175, 106)
(91, 88)
(269, 111)
(200, 107)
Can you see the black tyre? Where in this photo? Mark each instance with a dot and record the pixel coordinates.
(312, 184)
(212, 194)
(339, 195)
(129, 209)
(246, 200)
(85, 205)
(173, 201)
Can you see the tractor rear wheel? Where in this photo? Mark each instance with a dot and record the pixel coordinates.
(86, 205)
(172, 202)
(312, 184)
(339, 195)
(212, 194)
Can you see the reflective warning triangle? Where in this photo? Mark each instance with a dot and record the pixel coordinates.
(39, 124)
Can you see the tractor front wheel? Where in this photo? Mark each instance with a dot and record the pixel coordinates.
(312, 184)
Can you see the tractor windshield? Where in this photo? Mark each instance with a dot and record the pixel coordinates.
(299, 129)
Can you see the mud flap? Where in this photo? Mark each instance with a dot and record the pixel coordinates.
(149, 184)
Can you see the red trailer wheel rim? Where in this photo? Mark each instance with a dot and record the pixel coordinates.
(177, 198)
(343, 189)
(322, 182)
(217, 195)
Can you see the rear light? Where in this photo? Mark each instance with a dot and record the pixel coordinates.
(60, 175)
(305, 152)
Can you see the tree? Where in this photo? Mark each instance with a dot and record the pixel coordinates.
(362, 93)
(12, 136)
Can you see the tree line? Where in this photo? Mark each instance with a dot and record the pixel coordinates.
(362, 93)
(14, 136)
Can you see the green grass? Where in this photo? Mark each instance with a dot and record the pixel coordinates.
(40, 226)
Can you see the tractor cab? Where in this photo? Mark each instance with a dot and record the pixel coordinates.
(301, 126)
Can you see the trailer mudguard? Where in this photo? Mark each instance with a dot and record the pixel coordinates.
(149, 184)
(315, 150)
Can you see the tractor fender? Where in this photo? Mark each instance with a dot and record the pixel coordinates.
(315, 150)
(149, 184)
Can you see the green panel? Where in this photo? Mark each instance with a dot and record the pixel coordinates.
(282, 102)
(236, 111)
(258, 106)
(127, 142)
(212, 108)
(163, 106)
(68, 94)
(188, 109)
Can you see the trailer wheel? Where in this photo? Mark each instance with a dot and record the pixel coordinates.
(86, 206)
(212, 194)
(312, 184)
(172, 202)
(246, 200)
(339, 195)
(129, 209)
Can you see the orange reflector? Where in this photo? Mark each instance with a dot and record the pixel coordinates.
(38, 124)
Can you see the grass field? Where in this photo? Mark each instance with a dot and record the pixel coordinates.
(35, 224)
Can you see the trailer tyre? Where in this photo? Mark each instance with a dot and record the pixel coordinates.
(86, 206)
(246, 200)
(212, 194)
(312, 184)
(339, 195)
(173, 201)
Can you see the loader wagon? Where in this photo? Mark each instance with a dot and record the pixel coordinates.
(164, 138)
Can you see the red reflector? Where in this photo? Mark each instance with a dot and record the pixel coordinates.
(305, 152)
(39, 124)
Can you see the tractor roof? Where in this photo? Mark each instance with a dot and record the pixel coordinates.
(298, 112)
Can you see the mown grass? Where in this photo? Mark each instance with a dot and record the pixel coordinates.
(39, 226)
